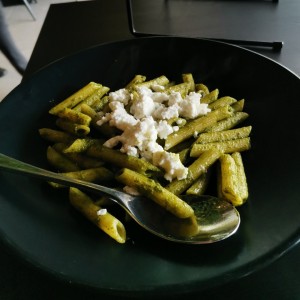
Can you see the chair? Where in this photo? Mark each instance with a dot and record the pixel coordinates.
(8, 46)
(29, 8)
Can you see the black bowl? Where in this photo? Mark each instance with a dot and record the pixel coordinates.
(38, 223)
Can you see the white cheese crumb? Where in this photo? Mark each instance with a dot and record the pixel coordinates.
(146, 122)
(121, 95)
(157, 88)
(172, 165)
(102, 212)
(191, 107)
(131, 191)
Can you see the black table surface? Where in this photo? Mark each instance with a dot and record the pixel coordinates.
(71, 27)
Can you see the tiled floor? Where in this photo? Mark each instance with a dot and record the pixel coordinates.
(25, 31)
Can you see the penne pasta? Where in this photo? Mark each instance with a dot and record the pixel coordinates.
(100, 217)
(176, 156)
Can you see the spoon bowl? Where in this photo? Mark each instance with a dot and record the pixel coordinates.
(214, 219)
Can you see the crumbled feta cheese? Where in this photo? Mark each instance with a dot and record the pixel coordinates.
(171, 163)
(191, 107)
(180, 121)
(166, 112)
(157, 88)
(163, 129)
(174, 98)
(149, 109)
(102, 212)
(142, 107)
(131, 191)
(119, 116)
(121, 95)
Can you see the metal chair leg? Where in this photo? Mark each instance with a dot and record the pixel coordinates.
(29, 9)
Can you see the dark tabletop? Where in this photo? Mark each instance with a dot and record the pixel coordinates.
(71, 27)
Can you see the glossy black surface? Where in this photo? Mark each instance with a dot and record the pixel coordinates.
(38, 223)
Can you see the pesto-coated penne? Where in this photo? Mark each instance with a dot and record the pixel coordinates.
(56, 136)
(60, 161)
(202, 89)
(210, 97)
(184, 155)
(100, 217)
(73, 128)
(135, 80)
(104, 129)
(122, 160)
(197, 125)
(182, 88)
(238, 106)
(226, 135)
(80, 145)
(231, 146)
(199, 186)
(74, 116)
(241, 175)
(150, 121)
(180, 122)
(95, 175)
(188, 78)
(99, 104)
(195, 170)
(161, 80)
(88, 110)
(222, 102)
(76, 98)
(230, 122)
(232, 186)
(82, 160)
(156, 192)
(93, 99)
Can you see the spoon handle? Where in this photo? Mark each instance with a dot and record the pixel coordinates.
(15, 166)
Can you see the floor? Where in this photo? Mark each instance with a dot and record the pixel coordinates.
(25, 32)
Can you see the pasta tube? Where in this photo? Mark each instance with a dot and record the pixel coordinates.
(161, 80)
(241, 175)
(102, 219)
(210, 97)
(136, 80)
(230, 122)
(231, 146)
(74, 116)
(83, 161)
(232, 179)
(99, 104)
(199, 186)
(195, 170)
(182, 88)
(93, 99)
(89, 175)
(197, 125)
(60, 161)
(188, 78)
(80, 145)
(122, 160)
(222, 102)
(226, 135)
(238, 106)
(76, 98)
(156, 192)
(56, 136)
(73, 128)
(202, 89)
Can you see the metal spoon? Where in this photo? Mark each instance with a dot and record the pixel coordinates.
(214, 220)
